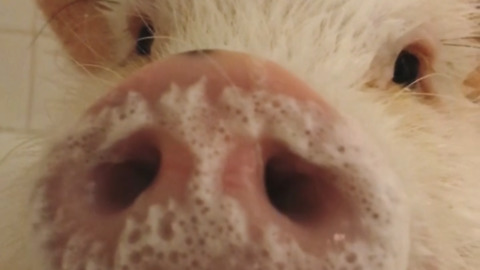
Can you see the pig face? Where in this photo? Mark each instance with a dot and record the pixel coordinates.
(326, 134)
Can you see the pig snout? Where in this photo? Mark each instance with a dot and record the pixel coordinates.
(218, 160)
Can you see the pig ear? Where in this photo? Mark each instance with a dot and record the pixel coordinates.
(81, 28)
(472, 83)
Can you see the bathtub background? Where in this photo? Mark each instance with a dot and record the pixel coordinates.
(28, 68)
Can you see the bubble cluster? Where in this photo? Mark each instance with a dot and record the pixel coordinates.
(211, 230)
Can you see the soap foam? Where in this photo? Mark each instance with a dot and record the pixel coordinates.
(213, 231)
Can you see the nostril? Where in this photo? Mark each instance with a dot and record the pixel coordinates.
(299, 190)
(288, 189)
(119, 182)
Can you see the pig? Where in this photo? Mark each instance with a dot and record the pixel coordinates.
(257, 134)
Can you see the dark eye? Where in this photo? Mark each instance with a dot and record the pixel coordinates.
(407, 68)
(145, 40)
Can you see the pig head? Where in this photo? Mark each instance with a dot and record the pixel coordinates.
(264, 135)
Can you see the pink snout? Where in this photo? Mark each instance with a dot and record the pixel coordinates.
(220, 160)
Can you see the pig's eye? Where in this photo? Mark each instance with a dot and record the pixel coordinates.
(407, 68)
(145, 40)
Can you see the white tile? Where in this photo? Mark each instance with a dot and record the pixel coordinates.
(49, 82)
(15, 74)
(17, 151)
(17, 14)
(9, 142)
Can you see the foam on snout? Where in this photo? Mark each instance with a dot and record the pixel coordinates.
(212, 231)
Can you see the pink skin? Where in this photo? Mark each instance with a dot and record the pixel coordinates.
(243, 176)
(224, 68)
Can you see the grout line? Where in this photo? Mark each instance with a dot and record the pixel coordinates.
(17, 130)
(14, 31)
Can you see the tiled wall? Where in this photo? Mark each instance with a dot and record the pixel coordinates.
(27, 70)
